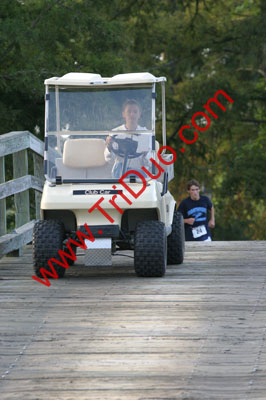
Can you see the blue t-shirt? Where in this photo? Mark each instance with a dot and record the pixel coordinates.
(197, 209)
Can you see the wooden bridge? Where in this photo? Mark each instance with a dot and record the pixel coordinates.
(102, 333)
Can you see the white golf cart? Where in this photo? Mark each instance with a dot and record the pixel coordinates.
(88, 148)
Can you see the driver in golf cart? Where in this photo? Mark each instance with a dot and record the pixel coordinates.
(131, 112)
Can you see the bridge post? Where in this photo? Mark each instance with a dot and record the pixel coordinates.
(3, 201)
(38, 172)
(22, 201)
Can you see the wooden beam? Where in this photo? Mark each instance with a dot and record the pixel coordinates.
(38, 174)
(13, 142)
(16, 239)
(22, 200)
(36, 145)
(19, 185)
(3, 201)
(37, 183)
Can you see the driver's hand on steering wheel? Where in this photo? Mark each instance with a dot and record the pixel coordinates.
(109, 141)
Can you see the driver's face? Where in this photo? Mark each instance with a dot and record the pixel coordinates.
(132, 115)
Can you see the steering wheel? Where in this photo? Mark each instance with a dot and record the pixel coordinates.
(125, 147)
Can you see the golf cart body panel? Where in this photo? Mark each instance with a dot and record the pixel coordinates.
(62, 197)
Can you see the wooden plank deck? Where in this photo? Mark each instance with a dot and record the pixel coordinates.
(198, 333)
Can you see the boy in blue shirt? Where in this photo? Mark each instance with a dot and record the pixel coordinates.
(195, 212)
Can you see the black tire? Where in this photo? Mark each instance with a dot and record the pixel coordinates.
(74, 249)
(47, 240)
(150, 249)
(176, 240)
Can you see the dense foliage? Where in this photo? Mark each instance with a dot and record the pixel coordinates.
(201, 46)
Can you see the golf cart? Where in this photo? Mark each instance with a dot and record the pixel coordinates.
(100, 174)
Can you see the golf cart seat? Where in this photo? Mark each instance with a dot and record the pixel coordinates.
(83, 159)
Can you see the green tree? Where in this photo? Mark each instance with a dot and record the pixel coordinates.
(44, 38)
(201, 46)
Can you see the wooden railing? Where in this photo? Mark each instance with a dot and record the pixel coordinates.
(17, 143)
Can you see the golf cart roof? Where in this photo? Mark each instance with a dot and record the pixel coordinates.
(88, 79)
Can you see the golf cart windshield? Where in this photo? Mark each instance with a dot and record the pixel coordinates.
(98, 133)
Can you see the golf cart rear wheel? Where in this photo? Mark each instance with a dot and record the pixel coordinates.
(150, 253)
(47, 240)
(74, 249)
(176, 240)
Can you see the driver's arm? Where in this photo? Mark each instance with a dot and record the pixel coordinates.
(108, 155)
(108, 141)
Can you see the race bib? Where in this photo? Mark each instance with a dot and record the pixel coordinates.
(199, 231)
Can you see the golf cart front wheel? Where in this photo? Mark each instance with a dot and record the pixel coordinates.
(48, 236)
(150, 249)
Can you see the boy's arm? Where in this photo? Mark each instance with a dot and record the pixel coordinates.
(189, 221)
(211, 223)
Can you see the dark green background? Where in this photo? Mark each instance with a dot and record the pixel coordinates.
(200, 46)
